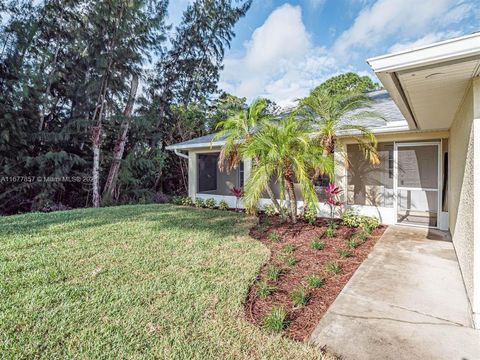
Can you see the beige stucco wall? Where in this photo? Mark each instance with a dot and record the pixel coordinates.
(461, 198)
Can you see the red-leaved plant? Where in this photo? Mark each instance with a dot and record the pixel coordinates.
(333, 191)
(238, 193)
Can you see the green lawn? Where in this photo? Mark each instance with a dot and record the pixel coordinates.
(153, 281)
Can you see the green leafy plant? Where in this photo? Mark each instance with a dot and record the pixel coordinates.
(199, 203)
(275, 237)
(276, 319)
(350, 218)
(352, 243)
(333, 267)
(317, 244)
(210, 203)
(269, 210)
(330, 231)
(310, 215)
(177, 200)
(264, 290)
(288, 249)
(273, 272)
(369, 223)
(290, 260)
(222, 205)
(362, 235)
(344, 253)
(187, 201)
(300, 296)
(314, 281)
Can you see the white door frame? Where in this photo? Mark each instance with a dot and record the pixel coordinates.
(439, 182)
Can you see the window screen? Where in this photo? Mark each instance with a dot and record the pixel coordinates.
(207, 172)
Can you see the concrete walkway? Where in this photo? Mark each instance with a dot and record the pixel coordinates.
(406, 301)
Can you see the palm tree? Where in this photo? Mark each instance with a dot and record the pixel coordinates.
(334, 114)
(238, 130)
(285, 151)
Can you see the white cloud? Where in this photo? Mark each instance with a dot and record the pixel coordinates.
(316, 4)
(280, 61)
(425, 40)
(392, 18)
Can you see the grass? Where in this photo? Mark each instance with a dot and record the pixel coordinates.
(333, 267)
(344, 253)
(264, 290)
(288, 249)
(274, 237)
(149, 281)
(273, 272)
(314, 281)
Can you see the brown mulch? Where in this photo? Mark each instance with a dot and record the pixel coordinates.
(302, 320)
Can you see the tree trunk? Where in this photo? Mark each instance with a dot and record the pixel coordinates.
(96, 144)
(270, 193)
(120, 142)
(293, 200)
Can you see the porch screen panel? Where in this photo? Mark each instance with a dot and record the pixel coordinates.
(207, 172)
(369, 184)
(418, 167)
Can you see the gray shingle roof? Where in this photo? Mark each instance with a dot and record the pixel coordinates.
(382, 103)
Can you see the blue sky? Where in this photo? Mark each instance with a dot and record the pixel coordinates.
(283, 49)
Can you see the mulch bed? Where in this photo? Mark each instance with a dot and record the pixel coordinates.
(302, 320)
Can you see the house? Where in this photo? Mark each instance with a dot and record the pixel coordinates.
(429, 146)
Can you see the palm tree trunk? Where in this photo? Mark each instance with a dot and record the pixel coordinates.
(271, 195)
(293, 200)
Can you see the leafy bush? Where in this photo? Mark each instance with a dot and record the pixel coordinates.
(273, 272)
(222, 205)
(369, 223)
(288, 249)
(210, 203)
(199, 203)
(317, 244)
(276, 319)
(187, 201)
(352, 243)
(310, 215)
(344, 253)
(300, 296)
(269, 210)
(350, 218)
(177, 200)
(333, 267)
(264, 290)
(314, 281)
(274, 237)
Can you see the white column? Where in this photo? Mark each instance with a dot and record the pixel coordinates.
(192, 174)
(476, 202)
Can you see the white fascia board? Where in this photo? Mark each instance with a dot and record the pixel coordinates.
(196, 146)
(461, 47)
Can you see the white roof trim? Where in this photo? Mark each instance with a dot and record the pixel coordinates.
(380, 130)
(461, 47)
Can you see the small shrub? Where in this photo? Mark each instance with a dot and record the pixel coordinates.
(352, 243)
(269, 210)
(264, 290)
(350, 218)
(314, 281)
(210, 203)
(369, 223)
(275, 237)
(199, 203)
(344, 253)
(362, 235)
(187, 201)
(317, 244)
(300, 296)
(222, 205)
(288, 249)
(333, 267)
(273, 272)
(310, 215)
(177, 200)
(330, 232)
(276, 319)
(290, 260)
